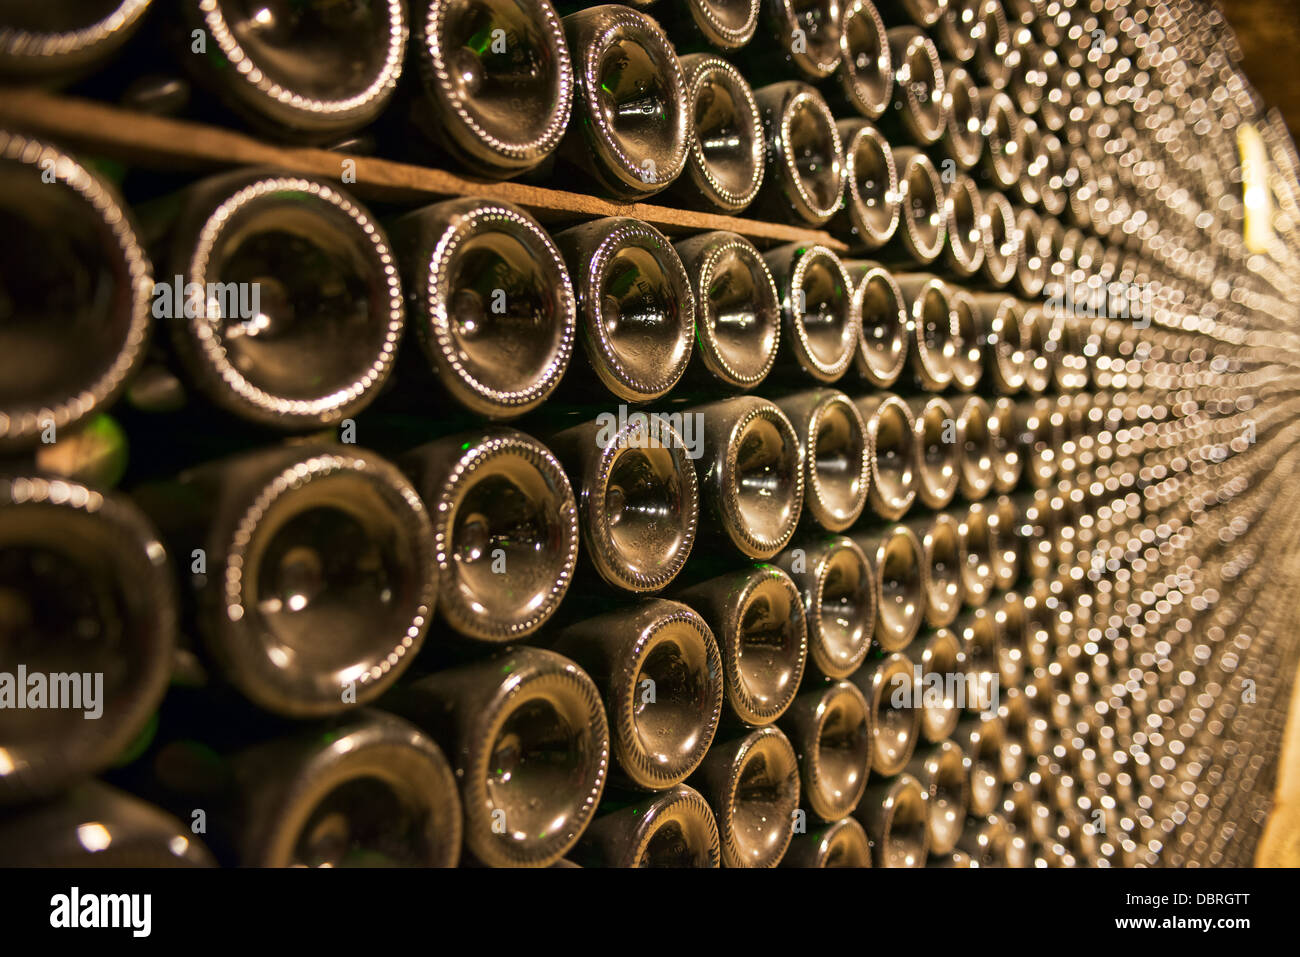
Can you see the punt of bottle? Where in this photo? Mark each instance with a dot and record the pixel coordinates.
(505, 530)
(921, 202)
(871, 211)
(889, 687)
(978, 545)
(919, 87)
(838, 587)
(940, 538)
(76, 282)
(962, 141)
(963, 251)
(88, 616)
(841, 844)
(672, 828)
(881, 353)
(891, 435)
(936, 445)
(940, 769)
(1000, 240)
(866, 70)
(833, 447)
(819, 323)
(494, 309)
(805, 158)
(496, 81)
(802, 37)
(830, 729)
(725, 165)
(39, 42)
(896, 818)
(528, 741)
(660, 674)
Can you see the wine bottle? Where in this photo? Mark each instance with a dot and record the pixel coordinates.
(527, 738)
(896, 818)
(721, 24)
(757, 617)
(919, 102)
(866, 71)
(751, 474)
(936, 445)
(505, 530)
(752, 784)
(958, 28)
(833, 448)
(842, 844)
(940, 539)
(975, 443)
(673, 828)
(1008, 463)
(978, 545)
(830, 729)
(802, 40)
(980, 739)
(1002, 319)
(962, 141)
(942, 662)
(995, 53)
(1031, 273)
(310, 72)
(819, 324)
(37, 43)
(882, 351)
(94, 825)
(891, 435)
(1008, 558)
(921, 204)
(657, 668)
(940, 770)
(1004, 160)
(738, 318)
(284, 301)
(934, 328)
(1038, 430)
(725, 162)
(635, 306)
(630, 128)
(1001, 244)
(922, 13)
(898, 559)
(838, 587)
(495, 82)
(88, 614)
(968, 341)
(805, 158)
(963, 250)
(76, 283)
(889, 687)
(310, 569)
(870, 213)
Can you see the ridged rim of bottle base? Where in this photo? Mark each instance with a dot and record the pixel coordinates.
(728, 797)
(23, 425)
(926, 253)
(895, 643)
(879, 274)
(599, 538)
(673, 805)
(25, 46)
(895, 509)
(811, 210)
(945, 767)
(874, 110)
(934, 617)
(1010, 373)
(452, 604)
(883, 686)
(487, 845)
(261, 687)
(827, 372)
(754, 545)
(524, 151)
(932, 129)
(836, 545)
(877, 237)
(964, 254)
(202, 343)
(121, 724)
(964, 154)
(998, 276)
(732, 39)
(966, 373)
(934, 496)
(736, 690)
(976, 482)
(628, 748)
(740, 88)
(938, 725)
(822, 804)
(812, 476)
(704, 332)
(316, 777)
(805, 64)
(629, 18)
(939, 376)
(615, 374)
(846, 832)
(308, 112)
(469, 390)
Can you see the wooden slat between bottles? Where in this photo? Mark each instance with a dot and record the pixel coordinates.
(158, 142)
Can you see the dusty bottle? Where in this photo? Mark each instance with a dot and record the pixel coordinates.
(871, 212)
(757, 618)
(918, 86)
(529, 746)
(1002, 319)
(505, 526)
(968, 341)
(636, 311)
(962, 141)
(838, 587)
(963, 250)
(934, 329)
(980, 738)
(819, 324)
(495, 81)
(797, 39)
(76, 283)
(726, 159)
(975, 445)
(805, 158)
(978, 545)
(310, 71)
(674, 828)
(310, 569)
(833, 447)
(882, 350)
(937, 450)
(94, 824)
(283, 298)
(365, 790)
(738, 312)
(1000, 239)
(830, 729)
(866, 71)
(923, 225)
(89, 621)
(659, 671)
(958, 28)
(891, 434)
(940, 538)
(630, 128)
(752, 784)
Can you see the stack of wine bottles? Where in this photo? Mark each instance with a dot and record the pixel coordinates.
(955, 533)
